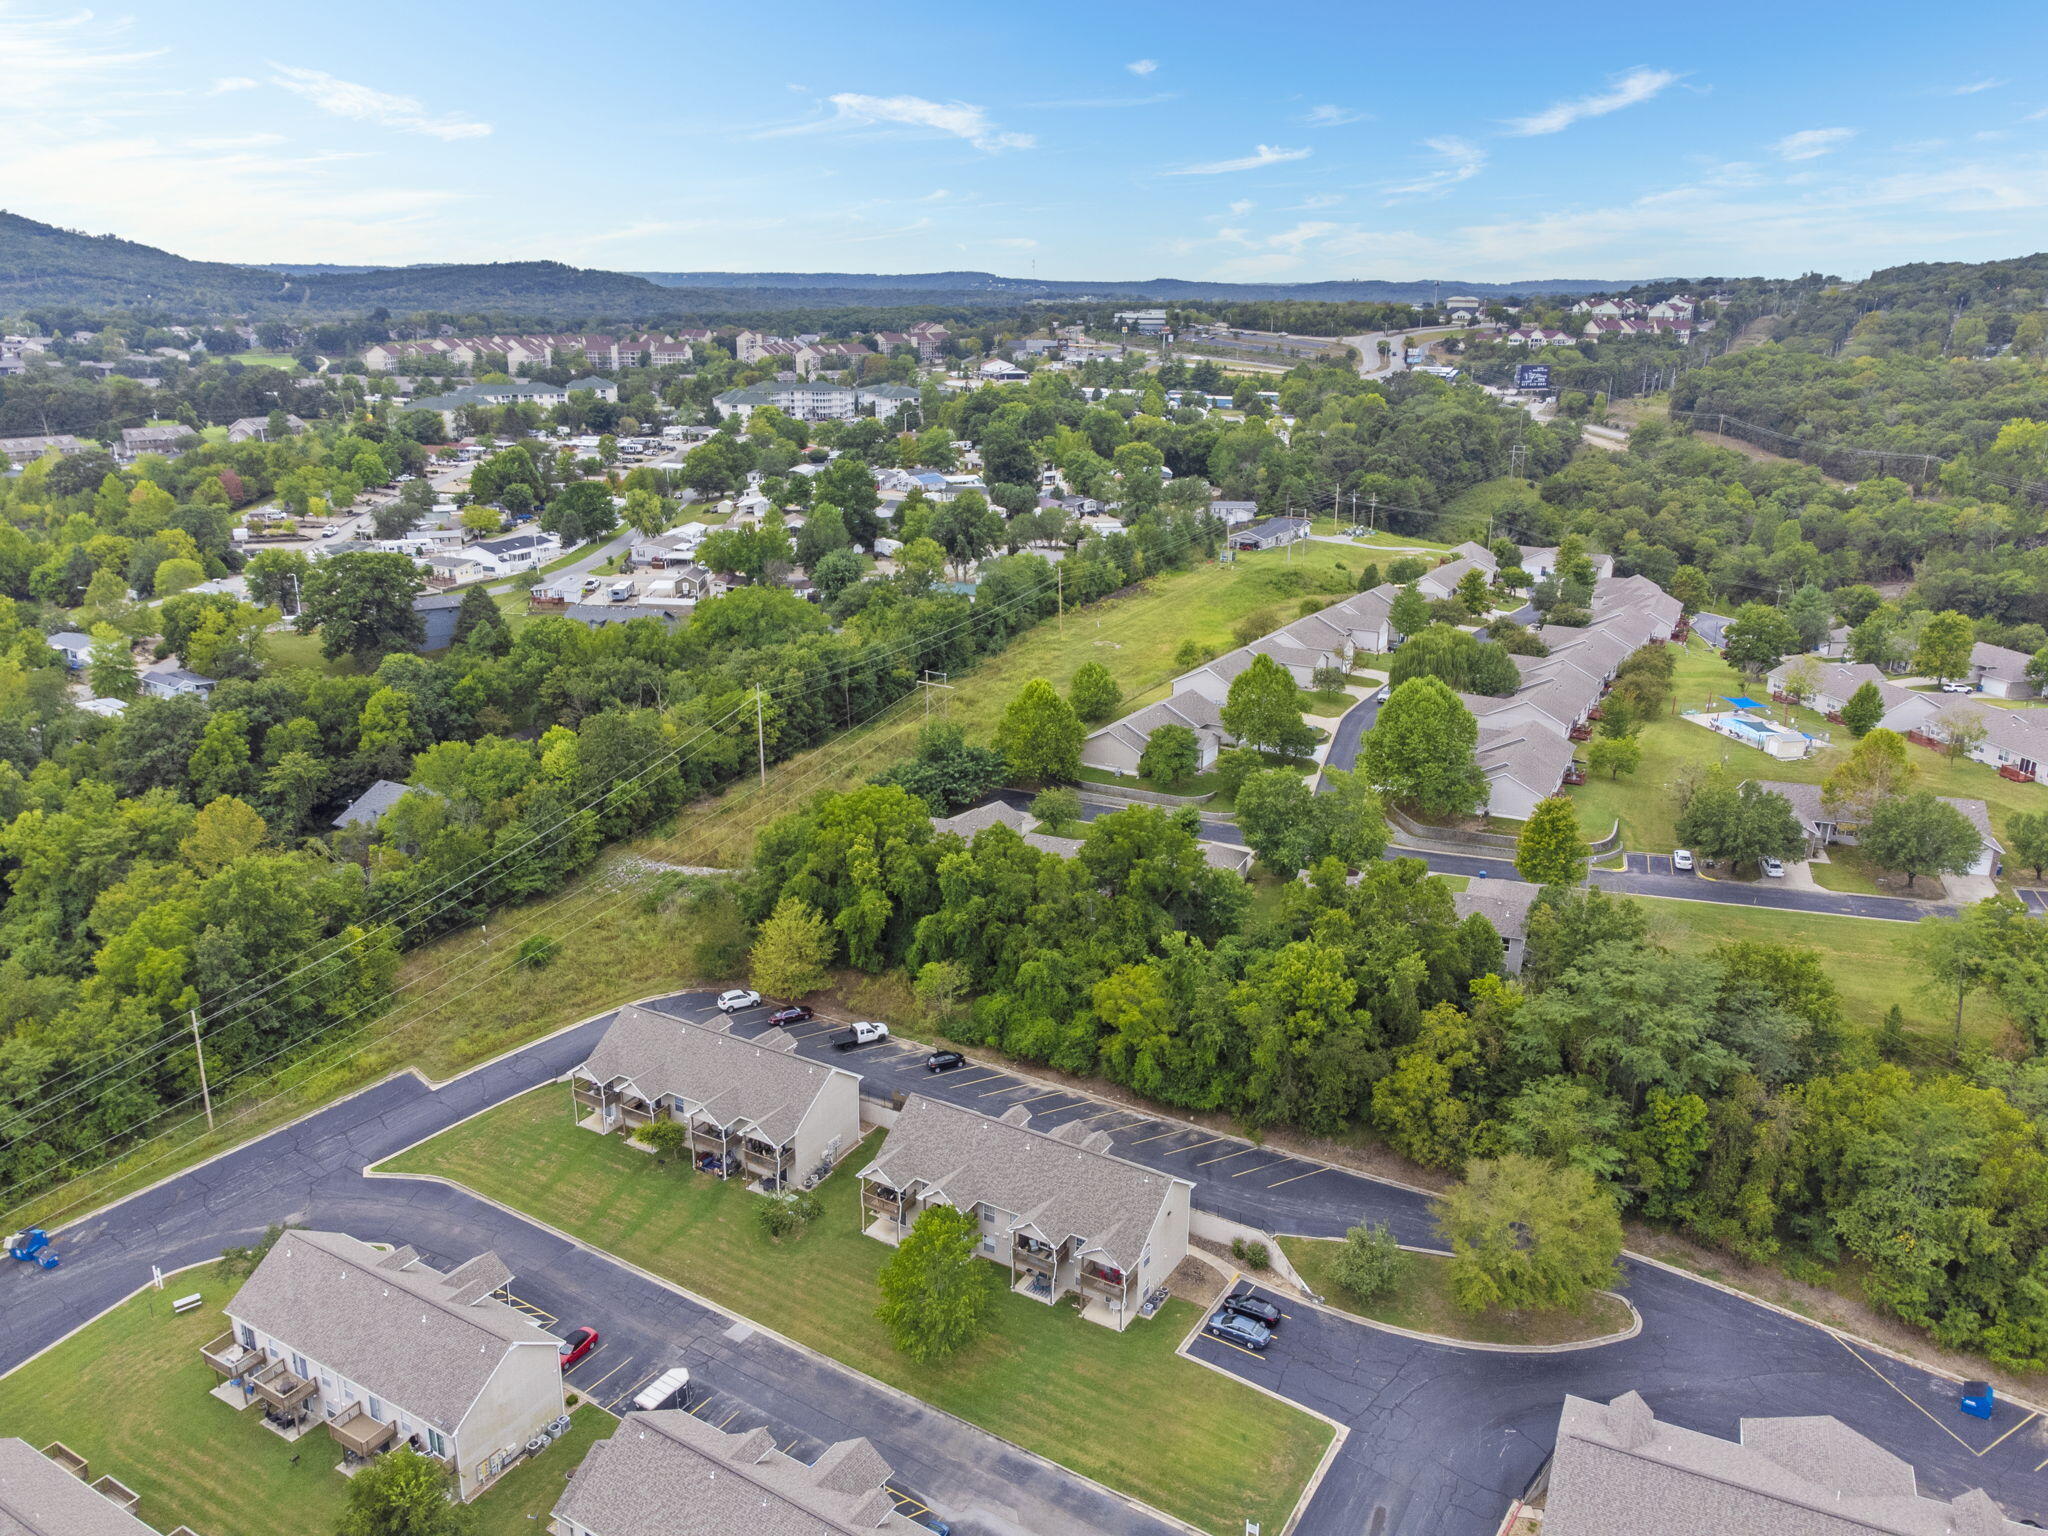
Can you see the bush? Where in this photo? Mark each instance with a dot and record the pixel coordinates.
(1056, 809)
(1370, 1264)
(1254, 626)
(665, 1138)
(537, 952)
(1192, 654)
(788, 1213)
(1251, 1254)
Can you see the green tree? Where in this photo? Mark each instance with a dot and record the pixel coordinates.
(277, 579)
(111, 673)
(1864, 709)
(1758, 638)
(362, 605)
(1172, 756)
(1040, 735)
(178, 576)
(403, 1493)
(2026, 839)
(1947, 641)
(668, 1140)
(1615, 755)
(1094, 693)
(1276, 813)
(1409, 612)
(1058, 810)
(1741, 823)
(1525, 1234)
(1569, 1121)
(793, 953)
(1920, 834)
(1371, 1264)
(1474, 594)
(1422, 750)
(475, 611)
(1263, 709)
(1878, 768)
(936, 1295)
(1551, 850)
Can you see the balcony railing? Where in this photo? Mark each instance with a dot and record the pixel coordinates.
(280, 1388)
(230, 1357)
(1102, 1285)
(1044, 1263)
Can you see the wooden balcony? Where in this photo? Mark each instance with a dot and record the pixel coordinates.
(1044, 1263)
(354, 1430)
(1100, 1285)
(280, 1388)
(230, 1357)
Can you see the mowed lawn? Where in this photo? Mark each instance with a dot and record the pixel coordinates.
(1121, 1408)
(1646, 800)
(129, 1393)
(1135, 636)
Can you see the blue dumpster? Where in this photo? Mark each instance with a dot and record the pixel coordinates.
(1978, 1399)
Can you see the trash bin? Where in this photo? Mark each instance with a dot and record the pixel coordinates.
(1978, 1399)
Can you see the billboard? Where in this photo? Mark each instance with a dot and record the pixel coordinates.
(1532, 375)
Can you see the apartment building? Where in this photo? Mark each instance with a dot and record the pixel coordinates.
(382, 1349)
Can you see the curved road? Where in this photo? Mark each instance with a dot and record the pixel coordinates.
(1441, 1438)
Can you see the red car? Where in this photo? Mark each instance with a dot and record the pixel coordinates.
(795, 1014)
(580, 1342)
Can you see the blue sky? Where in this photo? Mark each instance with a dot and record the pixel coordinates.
(1487, 142)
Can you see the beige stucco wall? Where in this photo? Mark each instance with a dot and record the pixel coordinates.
(523, 1394)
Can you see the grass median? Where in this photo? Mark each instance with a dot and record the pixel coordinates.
(1122, 1408)
(129, 1393)
(1422, 1303)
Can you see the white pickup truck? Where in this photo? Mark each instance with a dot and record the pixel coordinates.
(859, 1034)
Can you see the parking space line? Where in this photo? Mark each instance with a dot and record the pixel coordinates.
(2043, 1462)
(962, 1082)
(633, 1391)
(1010, 1087)
(1225, 1157)
(1267, 1169)
(1292, 1177)
(728, 1418)
(1170, 1130)
(1209, 1141)
(1994, 1445)
(1052, 1095)
(1211, 1339)
(1909, 1397)
(591, 1390)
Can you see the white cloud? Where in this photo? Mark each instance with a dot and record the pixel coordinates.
(1261, 155)
(1638, 85)
(1321, 200)
(1242, 206)
(1015, 243)
(1457, 160)
(55, 60)
(961, 119)
(1142, 66)
(344, 98)
(1811, 143)
(1989, 83)
(227, 83)
(1332, 117)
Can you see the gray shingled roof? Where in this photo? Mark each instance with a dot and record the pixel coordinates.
(733, 1082)
(1620, 1472)
(995, 814)
(1533, 758)
(1812, 810)
(1503, 903)
(369, 807)
(671, 1474)
(389, 1322)
(40, 1498)
(1057, 1189)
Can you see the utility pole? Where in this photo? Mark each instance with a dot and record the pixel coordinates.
(925, 686)
(205, 1093)
(761, 734)
(1059, 586)
(1372, 512)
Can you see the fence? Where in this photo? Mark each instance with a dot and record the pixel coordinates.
(1844, 462)
(1145, 796)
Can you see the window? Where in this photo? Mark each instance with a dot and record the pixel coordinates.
(375, 1408)
(248, 1336)
(435, 1444)
(299, 1366)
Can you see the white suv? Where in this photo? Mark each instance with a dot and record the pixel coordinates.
(738, 1000)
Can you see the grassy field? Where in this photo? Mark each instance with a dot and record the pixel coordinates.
(129, 1393)
(1423, 1304)
(1135, 636)
(1206, 1449)
(1865, 957)
(286, 648)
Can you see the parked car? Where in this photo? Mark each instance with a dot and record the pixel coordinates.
(1950, 685)
(944, 1061)
(860, 1034)
(1244, 1332)
(738, 1000)
(578, 1343)
(795, 1013)
(1256, 1308)
(1774, 869)
(1681, 860)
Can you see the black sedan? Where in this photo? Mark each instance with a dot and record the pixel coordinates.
(944, 1061)
(1254, 1307)
(797, 1013)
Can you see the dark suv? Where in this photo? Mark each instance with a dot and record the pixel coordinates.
(1255, 1307)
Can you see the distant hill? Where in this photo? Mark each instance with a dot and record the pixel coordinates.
(42, 264)
(991, 287)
